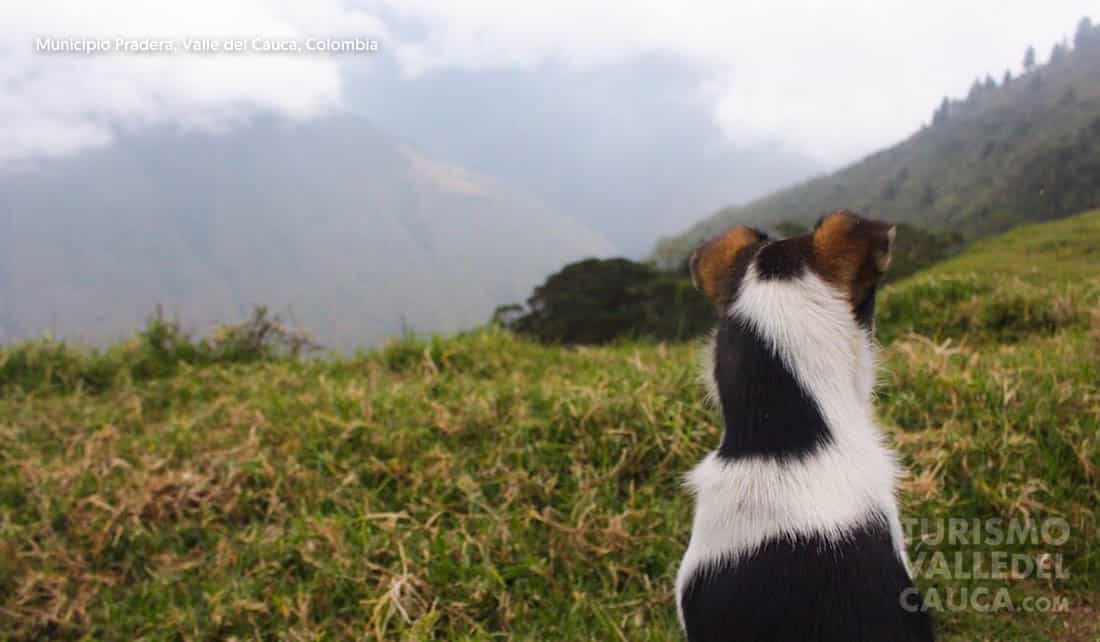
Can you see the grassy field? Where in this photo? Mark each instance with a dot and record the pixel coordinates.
(484, 487)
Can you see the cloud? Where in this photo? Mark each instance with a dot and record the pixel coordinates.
(835, 79)
(54, 104)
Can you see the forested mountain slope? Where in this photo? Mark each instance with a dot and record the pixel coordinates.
(1017, 149)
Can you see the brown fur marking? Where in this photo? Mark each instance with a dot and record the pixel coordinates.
(836, 249)
(712, 263)
(852, 252)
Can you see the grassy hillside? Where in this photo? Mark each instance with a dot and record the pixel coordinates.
(1025, 150)
(484, 487)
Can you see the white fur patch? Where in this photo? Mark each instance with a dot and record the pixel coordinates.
(743, 503)
(706, 370)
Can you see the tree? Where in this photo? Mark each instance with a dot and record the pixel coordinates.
(939, 116)
(1036, 82)
(975, 90)
(928, 194)
(1029, 58)
(1087, 36)
(1007, 78)
(1058, 53)
(597, 300)
(989, 84)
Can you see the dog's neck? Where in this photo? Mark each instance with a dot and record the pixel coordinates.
(793, 369)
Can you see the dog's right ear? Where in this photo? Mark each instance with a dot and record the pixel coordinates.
(712, 265)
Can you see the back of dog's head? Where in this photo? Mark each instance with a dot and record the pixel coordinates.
(848, 252)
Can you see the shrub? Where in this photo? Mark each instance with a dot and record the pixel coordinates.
(54, 364)
(157, 351)
(261, 336)
(597, 301)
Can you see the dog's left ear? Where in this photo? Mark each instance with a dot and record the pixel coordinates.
(853, 252)
(712, 265)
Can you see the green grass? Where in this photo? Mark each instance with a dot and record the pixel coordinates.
(485, 487)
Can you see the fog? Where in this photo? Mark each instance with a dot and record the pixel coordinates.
(609, 125)
(635, 118)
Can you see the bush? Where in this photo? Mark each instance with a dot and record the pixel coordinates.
(55, 365)
(157, 351)
(597, 301)
(260, 337)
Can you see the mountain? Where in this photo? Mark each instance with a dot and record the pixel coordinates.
(330, 222)
(1020, 150)
(630, 148)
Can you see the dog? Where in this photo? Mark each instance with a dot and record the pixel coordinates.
(796, 535)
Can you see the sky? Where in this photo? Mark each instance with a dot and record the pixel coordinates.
(834, 79)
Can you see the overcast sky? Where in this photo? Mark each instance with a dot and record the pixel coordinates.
(835, 80)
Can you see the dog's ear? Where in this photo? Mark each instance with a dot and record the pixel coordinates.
(852, 252)
(712, 265)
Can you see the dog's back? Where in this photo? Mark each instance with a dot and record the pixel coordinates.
(796, 535)
(808, 589)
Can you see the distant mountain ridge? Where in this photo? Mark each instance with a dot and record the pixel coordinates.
(355, 236)
(600, 145)
(1024, 150)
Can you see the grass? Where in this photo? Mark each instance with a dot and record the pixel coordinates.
(485, 487)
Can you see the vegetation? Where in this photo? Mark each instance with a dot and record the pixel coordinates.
(1024, 150)
(161, 349)
(489, 487)
(597, 301)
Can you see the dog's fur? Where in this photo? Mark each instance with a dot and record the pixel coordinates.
(796, 535)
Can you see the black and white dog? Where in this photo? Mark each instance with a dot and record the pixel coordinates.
(796, 536)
